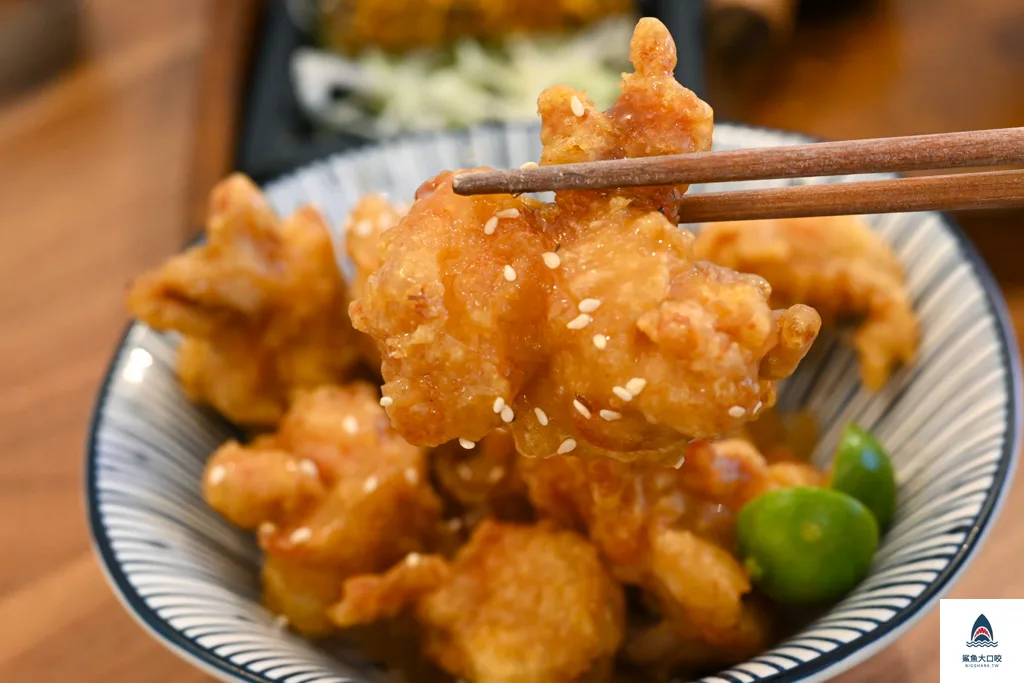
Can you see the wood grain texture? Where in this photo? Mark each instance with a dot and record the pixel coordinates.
(998, 147)
(995, 189)
(95, 171)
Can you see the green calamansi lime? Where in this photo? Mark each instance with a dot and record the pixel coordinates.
(863, 470)
(806, 545)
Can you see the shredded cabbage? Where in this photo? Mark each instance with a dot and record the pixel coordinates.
(469, 82)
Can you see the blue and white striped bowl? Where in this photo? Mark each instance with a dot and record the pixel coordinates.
(952, 422)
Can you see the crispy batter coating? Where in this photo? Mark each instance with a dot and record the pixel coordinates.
(376, 597)
(301, 593)
(517, 603)
(260, 302)
(525, 603)
(370, 217)
(617, 503)
(653, 115)
(334, 492)
(837, 265)
(670, 531)
(586, 325)
(483, 480)
(700, 588)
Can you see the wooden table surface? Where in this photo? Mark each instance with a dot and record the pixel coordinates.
(97, 170)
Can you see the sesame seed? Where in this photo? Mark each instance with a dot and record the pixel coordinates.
(363, 228)
(679, 463)
(281, 622)
(370, 485)
(495, 474)
(636, 385)
(510, 273)
(610, 415)
(413, 559)
(386, 401)
(737, 412)
(551, 259)
(350, 424)
(499, 403)
(491, 225)
(301, 535)
(542, 417)
(411, 476)
(309, 467)
(566, 446)
(577, 106)
(579, 322)
(507, 415)
(467, 444)
(530, 164)
(600, 341)
(465, 471)
(216, 475)
(580, 408)
(650, 419)
(622, 393)
(455, 523)
(589, 305)
(508, 213)
(267, 528)
(757, 407)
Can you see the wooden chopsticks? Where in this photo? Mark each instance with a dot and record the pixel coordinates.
(942, 151)
(989, 190)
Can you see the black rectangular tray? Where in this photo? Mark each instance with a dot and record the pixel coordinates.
(276, 137)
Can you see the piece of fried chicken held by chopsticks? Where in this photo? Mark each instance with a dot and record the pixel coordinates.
(649, 348)
(458, 309)
(586, 325)
(261, 303)
(517, 603)
(836, 264)
(653, 115)
(333, 493)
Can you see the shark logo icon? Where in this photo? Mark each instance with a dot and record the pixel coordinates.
(982, 634)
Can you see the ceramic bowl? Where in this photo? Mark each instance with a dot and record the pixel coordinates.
(951, 421)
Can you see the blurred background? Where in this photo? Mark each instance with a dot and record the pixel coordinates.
(117, 116)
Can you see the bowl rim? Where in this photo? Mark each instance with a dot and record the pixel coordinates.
(825, 665)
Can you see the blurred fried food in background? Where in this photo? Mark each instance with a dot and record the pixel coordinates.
(399, 25)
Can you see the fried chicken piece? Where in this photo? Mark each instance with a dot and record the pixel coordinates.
(261, 303)
(370, 217)
(670, 531)
(617, 504)
(699, 587)
(376, 597)
(334, 492)
(586, 325)
(653, 115)
(302, 594)
(519, 603)
(837, 265)
(482, 481)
